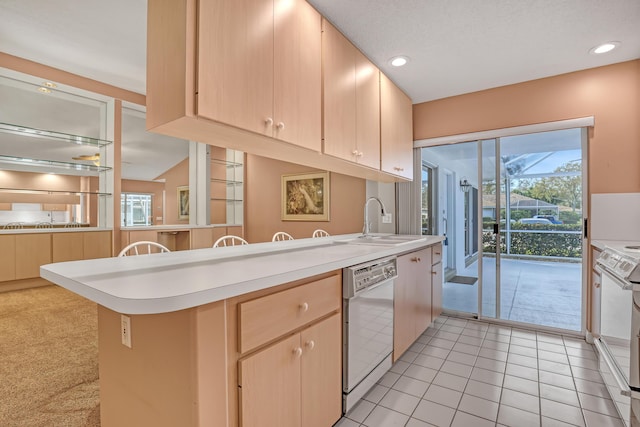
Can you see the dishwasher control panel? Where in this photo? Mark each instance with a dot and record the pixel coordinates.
(359, 278)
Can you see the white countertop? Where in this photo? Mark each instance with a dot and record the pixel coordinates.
(166, 282)
(52, 230)
(171, 227)
(618, 245)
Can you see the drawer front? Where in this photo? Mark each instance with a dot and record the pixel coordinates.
(266, 318)
(436, 253)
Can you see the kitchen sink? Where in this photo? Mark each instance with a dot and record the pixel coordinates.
(383, 240)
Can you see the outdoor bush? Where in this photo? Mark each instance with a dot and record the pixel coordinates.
(561, 243)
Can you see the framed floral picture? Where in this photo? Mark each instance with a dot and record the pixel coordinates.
(305, 197)
(183, 202)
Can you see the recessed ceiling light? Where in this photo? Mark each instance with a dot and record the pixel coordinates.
(604, 48)
(50, 85)
(398, 61)
(44, 89)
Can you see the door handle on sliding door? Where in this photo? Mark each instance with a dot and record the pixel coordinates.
(496, 228)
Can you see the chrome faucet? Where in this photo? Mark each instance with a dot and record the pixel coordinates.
(367, 226)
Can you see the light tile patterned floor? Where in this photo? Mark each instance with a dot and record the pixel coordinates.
(465, 373)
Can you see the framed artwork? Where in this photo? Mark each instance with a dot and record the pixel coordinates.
(305, 197)
(183, 202)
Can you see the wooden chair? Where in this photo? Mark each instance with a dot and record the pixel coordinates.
(229, 240)
(320, 233)
(13, 226)
(281, 236)
(143, 247)
(73, 225)
(44, 225)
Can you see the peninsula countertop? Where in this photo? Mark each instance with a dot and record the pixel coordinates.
(165, 282)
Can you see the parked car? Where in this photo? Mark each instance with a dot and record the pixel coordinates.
(535, 221)
(554, 219)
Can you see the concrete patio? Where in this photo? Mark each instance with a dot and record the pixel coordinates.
(545, 293)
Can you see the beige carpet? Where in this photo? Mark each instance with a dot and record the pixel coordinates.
(48, 359)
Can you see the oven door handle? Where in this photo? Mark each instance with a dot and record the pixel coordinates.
(624, 285)
(615, 372)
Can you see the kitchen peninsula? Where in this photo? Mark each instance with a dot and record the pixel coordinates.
(225, 336)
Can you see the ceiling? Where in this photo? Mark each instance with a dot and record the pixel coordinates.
(454, 47)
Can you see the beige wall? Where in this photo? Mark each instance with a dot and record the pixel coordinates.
(611, 94)
(262, 206)
(175, 177)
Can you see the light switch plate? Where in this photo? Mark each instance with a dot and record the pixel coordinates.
(387, 218)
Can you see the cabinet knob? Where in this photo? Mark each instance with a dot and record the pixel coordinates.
(304, 307)
(310, 344)
(596, 284)
(297, 352)
(415, 259)
(268, 121)
(434, 272)
(360, 153)
(354, 152)
(280, 126)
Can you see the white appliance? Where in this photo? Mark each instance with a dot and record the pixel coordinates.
(619, 340)
(367, 327)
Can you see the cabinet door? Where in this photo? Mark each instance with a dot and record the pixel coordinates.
(32, 251)
(235, 63)
(367, 111)
(297, 74)
(97, 244)
(436, 290)
(403, 307)
(396, 130)
(8, 257)
(321, 374)
(270, 385)
(339, 79)
(67, 246)
(422, 275)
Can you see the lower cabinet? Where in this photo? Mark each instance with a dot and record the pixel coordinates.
(32, 251)
(412, 299)
(295, 382)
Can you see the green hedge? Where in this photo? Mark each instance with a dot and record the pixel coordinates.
(556, 244)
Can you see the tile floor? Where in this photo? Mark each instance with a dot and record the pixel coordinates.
(465, 373)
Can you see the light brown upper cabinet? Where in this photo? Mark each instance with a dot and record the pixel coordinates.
(259, 67)
(351, 127)
(247, 75)
(396, 129)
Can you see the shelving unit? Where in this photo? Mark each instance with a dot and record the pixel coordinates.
(53, 151)
(228, 174)
(41, 152)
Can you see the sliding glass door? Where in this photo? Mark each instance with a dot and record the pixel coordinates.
(512, 215)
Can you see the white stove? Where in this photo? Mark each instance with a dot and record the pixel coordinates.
(619, 342)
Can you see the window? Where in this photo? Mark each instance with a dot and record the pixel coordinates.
(136, 209)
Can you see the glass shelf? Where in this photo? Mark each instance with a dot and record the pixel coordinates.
(47, 134)
(226, 163)
(11, 160)
(225, 181)
(225, 200)
(58, 192)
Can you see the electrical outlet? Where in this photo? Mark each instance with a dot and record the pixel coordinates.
(125, 330)
(387, 219)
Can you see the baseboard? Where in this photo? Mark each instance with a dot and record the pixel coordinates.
(16, 285)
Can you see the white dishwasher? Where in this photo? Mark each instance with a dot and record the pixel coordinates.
(368, 326)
